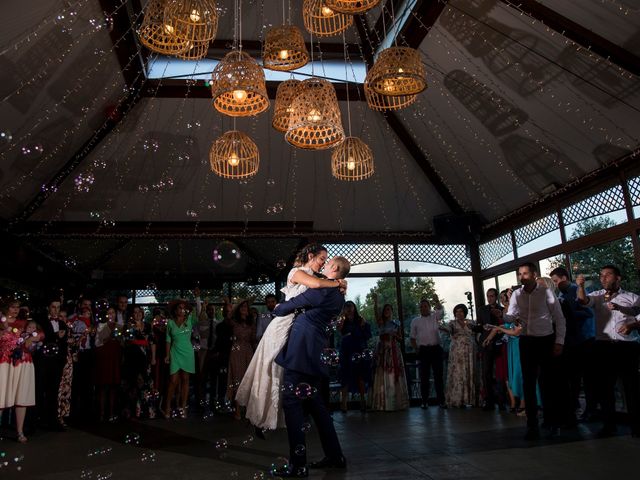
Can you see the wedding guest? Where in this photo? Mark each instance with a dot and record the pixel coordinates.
(244, 343)
(137, 351)
(179, 354)
(389, 390)
(222, 350)
(461, 384)
(355, 358)
(264, 319)
(205, 354)
(425, 339)
(160, 369)
(617, 346)
(107, 364)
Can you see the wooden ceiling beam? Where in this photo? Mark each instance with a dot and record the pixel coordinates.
(582, 36)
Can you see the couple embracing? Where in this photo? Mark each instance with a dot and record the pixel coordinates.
(288, 360)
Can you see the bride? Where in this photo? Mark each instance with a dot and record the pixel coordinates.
(259, 390)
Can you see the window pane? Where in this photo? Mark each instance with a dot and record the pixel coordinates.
(618, 253)
(548, 264)
(538, 235)
(598, 212)
(496, 251)
(634, 193)
(365, 258)
(434, 258)
(489, 283)
(507, 280)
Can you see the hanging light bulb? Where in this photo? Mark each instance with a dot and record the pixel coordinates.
(194, 16)
(284, 49)
(397, 72)
(352, 160)
(351, 163)
(351, 7)
(283, 54)
(282, 110)
(326, 11)
(322, 20)
(233, 159)
(314, 116)
(240, 95)
(158, 35)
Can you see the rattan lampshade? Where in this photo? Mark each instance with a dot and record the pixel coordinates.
(157, 36)
(284, 96)
(385, 103)
(195, 51)
(194, 21)
(315, 121)
(238, 86)
(352, 160)
(284, 49)
(398, 71)
(322, 21)
(234, 155)
(351, 7)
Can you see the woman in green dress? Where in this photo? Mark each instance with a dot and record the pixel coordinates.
(180, 355)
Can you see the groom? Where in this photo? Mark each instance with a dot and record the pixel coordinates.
(304, 371)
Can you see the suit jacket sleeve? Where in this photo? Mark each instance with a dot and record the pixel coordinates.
(311, 298)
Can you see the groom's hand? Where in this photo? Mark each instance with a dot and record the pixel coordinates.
(343, 285)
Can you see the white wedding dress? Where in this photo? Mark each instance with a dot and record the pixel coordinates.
(259, 390)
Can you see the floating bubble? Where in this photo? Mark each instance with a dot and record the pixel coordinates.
(143, 188)
(184, 157)
(108, 223)
(132, 438)
(221, 444)
(163, 247)
(94, 214)
(150, 145)
(49, 188)
(100, 451)
(306, 427)
(189, 141)
(5, 137)
(280, 264)
(83, 182)
(85, 474)
(234, 474)
(148, 457)
(104, 475)
(212, 206)
(271, 182)
(248, 206)
(226, 254)
(258, 476)
(300, 450)
(192, 213)
(330, 357)
(278, 465)
(248, 439)
(152, 286)
(50, 350)
(356, 357)
(70, 262)
(367, 354)
(207, 416)
(287, 387)
(32, 150)
(304, 391)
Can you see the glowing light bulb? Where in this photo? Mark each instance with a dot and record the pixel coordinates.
(388, 85)
(169, 29)
(194, 16)
(283, 54)
(240, 95)
(351, 163)
(400, 70)
(314, 116)
(326, 11)
(233, 159)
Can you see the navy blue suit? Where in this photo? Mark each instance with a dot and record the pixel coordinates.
(301, 360)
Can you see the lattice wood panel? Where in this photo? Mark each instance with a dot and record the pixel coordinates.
(604, 202)
(258, 292)
(634, 191)
(362, 253)
(455, 256)
(536, 229)
(495, 249)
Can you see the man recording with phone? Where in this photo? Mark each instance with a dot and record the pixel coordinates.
(491, 348)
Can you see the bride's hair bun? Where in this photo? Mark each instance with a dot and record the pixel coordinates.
(303, 255)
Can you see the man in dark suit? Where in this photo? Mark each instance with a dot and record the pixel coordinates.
(304, 372)
(49, 363)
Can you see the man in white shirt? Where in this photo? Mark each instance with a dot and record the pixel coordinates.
(617, 346)
(264, 319)
(538, 310)
(425, 339)
(122, 311)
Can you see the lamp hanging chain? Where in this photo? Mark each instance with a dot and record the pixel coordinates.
(346, 81)
(289, 14)
(393, 22)
(284, 21)
(312, 69)
(384, 23)
(240, 23)
(235, 24)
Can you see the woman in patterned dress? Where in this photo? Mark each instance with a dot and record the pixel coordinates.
(461, 387)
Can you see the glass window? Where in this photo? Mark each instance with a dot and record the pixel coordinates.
(496, 251)
(434, 258)
(634, 194)
(618, 253)
(507, 280)
(489, 283)
(365, 258)
(538, 235)
(595, 213)
(546, 265)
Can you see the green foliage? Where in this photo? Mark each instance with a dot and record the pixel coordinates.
(618, 253)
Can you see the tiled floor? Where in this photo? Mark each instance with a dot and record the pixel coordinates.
(429, 444)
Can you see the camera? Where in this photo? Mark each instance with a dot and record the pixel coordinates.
(515, 287)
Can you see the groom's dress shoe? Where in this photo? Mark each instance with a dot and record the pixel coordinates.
(291, 472)
(327, 462)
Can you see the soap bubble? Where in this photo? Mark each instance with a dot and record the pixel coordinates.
(132, 439)
(330, 357)
(226, 254)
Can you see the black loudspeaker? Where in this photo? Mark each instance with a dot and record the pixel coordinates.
(450, 228)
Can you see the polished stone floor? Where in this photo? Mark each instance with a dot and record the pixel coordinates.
(428, 444)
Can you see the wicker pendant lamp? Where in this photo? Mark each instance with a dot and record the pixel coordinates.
(398, 71)
(238, 86)
(195, 51)
(351, 7)
(386, 103)
(315, 120)
(352, 160)
(234, 155)
(284, 49)
(156, 35)
(193, 21)
(321, 20)
(282, 109)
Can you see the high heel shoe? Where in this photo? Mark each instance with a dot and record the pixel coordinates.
(22, 438)
(259, 433)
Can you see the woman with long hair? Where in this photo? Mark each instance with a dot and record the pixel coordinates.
(355, 358)
(389, 390)
(107, 364)
(244, 343)
(461, 384)
(259, 390)
(180, 356)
